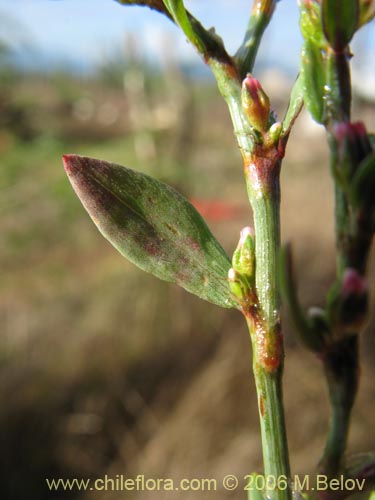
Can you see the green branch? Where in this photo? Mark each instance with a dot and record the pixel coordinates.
(260, 17)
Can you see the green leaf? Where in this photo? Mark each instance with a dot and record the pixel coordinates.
(305, 327)
(260, 17)
(153, 226)
(294, 107)
(177, 10)
(207, 42)
(311, 23)
(340, 21)
(312, 76)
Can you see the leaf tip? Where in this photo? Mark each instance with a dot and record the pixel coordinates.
(71, 163)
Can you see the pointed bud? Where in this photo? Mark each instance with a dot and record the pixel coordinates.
(353, 284)
(354, 299)
(241, 276)
(273, 133)
(354, 137)
(243, 260)
(255, 103)
(353, 147)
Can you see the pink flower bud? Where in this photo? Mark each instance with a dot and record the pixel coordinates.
(353, 144)
(350, 131)
(353, 284)
(255, 103)
(245, 232)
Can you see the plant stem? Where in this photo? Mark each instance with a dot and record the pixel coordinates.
(262, 180)
(261, 14)
(264, 325)
(272, 424)
(340, 360)
(353, 240)
(262, 169)
(341, 369)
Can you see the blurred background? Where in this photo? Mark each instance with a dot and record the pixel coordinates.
(104, 369)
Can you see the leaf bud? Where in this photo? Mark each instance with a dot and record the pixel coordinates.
(238, 284)
(243, 260)
(273, 133)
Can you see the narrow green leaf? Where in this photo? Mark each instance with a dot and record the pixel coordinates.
(207, 42)
(311, 23)
(310, 336)
(340, 21)
(294, 107)
(153, 226)
(312, 76)
(261, 14)
(177, 10)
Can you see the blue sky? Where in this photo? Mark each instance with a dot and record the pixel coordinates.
(87, 31)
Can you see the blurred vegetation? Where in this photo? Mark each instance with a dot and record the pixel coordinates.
(85, 337)
(97, 359)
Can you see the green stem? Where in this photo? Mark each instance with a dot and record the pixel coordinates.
(342, 228)
(262, 168)
(264, 194)
(340, 359)
(261, 14)
(265, 328)
(272, 424)
(341, 369)
(229, 84)
(353, 227)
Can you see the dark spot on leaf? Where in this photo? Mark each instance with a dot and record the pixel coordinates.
(206, 280)
(262, 406)
(171, 228)
(194, 245)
